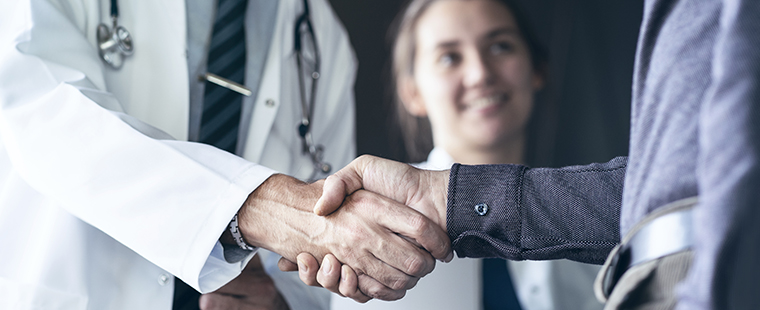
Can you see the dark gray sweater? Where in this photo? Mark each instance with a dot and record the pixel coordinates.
(695, 130)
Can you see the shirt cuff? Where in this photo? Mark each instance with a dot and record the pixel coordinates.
(483, 210)
(234, 254)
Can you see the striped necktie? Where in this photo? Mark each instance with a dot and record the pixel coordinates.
(220, 118)
(221, 107)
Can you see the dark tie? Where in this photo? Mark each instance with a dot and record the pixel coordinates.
(220, 119)
(221, 107)
(498, 292)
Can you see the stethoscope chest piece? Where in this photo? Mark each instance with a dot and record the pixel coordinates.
(114, 44)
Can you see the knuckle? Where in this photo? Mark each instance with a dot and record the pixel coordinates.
(418, 224)
(389, 295)
(398, 284)
(377, 292)
(411, 284)
(416, 266)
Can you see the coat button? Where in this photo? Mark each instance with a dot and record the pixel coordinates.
(269, 103)
(163, 279)
(481, 209)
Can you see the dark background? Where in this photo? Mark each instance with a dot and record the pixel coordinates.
(584, 108)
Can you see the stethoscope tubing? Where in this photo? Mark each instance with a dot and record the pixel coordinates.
(116, 43)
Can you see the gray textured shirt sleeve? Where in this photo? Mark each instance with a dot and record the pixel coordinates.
(536, 214)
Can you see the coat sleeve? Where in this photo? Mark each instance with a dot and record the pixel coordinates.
(536, 214)
(70, 140)
(726, 255)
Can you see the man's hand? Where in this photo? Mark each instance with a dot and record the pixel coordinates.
(253, 289)
(424, 190)
(370, 233)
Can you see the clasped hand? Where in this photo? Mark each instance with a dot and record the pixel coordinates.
(421, 190)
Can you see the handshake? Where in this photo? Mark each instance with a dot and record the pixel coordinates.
(377, 226)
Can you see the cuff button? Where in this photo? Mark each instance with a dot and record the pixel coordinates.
(481, 209)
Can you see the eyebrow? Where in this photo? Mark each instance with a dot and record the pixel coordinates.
(489, 35)
(501, 31)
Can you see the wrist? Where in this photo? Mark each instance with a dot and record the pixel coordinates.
(440, 186)
(278, 214)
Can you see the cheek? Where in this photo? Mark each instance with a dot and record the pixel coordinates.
(518, 73)
(439, 92)
(516, 76)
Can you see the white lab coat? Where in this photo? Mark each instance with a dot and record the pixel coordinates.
(539, 285)
(101, 198)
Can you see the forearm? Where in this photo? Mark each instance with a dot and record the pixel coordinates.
(278, 216)
(536, 214)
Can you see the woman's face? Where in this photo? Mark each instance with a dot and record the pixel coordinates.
(473, 76)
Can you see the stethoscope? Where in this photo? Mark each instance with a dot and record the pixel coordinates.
(116, 43)
(316, 151)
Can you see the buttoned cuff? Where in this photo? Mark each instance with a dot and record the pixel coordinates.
(483, 210)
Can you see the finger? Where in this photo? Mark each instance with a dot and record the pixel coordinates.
(286, 265)
(375, 267)
(341, 184)
(308, 267)
(391, 248)
(349, 285)
(375, 289)
(329, 274)
(414, 225)
(429, 236)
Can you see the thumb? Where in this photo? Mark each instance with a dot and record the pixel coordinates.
(339, 185)
(333, 192)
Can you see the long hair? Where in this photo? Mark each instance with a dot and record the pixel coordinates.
(416, 131)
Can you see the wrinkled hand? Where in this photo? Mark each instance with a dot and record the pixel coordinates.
(332, 275)
(381, 240)
(253, 289)
(422, 190)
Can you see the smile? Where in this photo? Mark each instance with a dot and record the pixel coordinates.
(488, 101)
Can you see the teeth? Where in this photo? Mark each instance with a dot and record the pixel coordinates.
(485, 101)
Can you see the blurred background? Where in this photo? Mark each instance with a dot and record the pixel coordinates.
(585, 106)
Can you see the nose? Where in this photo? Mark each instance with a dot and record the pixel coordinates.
(478, 71)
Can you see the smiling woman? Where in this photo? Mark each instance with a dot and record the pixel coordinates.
(473, 78)
(478, 63)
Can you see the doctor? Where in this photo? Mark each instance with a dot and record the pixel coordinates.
(103, 200)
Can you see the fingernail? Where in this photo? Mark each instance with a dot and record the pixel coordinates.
(343, 274)
(302, 266)
(326, 265)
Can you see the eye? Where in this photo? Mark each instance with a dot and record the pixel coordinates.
(449, 59)
(501, 47)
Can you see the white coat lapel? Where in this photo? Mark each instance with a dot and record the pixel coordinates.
(268, 99)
